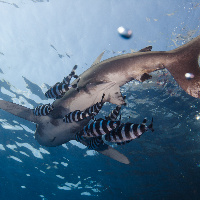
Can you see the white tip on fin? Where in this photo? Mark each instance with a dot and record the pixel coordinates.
(112, 153)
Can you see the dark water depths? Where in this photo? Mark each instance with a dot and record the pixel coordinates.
(165, 164)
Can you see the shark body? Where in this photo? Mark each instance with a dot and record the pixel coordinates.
(107, 77)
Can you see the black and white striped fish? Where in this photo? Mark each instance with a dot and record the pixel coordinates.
(99, 127)
(79, 137)
(94, 110)
(43, 109)
(59, 89)
(75, 116)
(127, 132)
(114, 113)
(122, 135)
(67, 79)
(78, 115)
(95, 143)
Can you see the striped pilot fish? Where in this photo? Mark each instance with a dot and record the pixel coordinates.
(43, 110)
(95, 143)
(75, 116)
(94, 110)
(67, 79)
(59, 89)
(99, 127)
(127, 132)
(115, 112)
(78, 115)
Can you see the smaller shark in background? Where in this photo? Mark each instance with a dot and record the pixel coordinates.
(107, 77)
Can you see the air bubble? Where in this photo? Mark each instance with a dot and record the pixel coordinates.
(124, 32)
(189, 76)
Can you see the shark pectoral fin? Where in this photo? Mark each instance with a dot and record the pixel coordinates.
(115, 96)
(98, 59)
(112, 153)
(20, 111)
(108, 151)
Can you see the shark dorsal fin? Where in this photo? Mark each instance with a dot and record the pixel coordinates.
(98, 59)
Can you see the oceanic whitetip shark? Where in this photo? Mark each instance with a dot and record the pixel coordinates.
(107, 77)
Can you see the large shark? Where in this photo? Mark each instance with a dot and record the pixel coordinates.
(107, 77)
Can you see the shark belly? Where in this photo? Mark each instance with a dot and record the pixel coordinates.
(56, 132)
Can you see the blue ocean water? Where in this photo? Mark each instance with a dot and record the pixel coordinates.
(40, 42)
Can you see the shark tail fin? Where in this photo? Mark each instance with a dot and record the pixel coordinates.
(184, 66)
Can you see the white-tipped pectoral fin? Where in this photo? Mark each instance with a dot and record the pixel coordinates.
(109, 151)
(20, 111)
(112, 153)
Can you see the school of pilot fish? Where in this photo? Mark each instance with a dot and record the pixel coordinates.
(73, 114)
(100, 131)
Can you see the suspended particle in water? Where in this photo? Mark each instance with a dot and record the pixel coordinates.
(189, 76)
(124, 32)
(198, 117)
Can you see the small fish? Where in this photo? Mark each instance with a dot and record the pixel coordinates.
(59, 89)
(127, 132)
(99, 127)
(95, 143)
(43, 110)
(67, 79)
(78, 115)
(114, 113)
(75, 116)
(79, 137)
(124, 134)
(94, 110)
